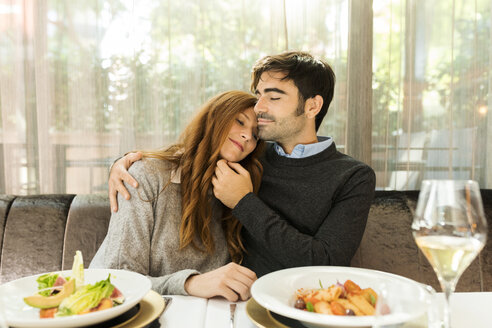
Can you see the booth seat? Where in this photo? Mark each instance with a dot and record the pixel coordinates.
(41, 234)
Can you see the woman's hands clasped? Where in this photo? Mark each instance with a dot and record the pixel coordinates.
(231, 281)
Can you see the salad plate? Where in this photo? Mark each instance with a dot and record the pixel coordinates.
(132, 285)
(406, 299)
(152, 306)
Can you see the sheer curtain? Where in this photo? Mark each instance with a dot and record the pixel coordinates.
(83, 82)
(431, 91)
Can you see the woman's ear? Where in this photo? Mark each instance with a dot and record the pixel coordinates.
(313, 106)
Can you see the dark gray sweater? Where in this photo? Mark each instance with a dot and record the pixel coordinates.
(309, 211)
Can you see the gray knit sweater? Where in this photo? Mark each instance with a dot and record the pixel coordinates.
(143, 236)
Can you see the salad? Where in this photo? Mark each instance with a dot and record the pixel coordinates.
(339, 299)
(59, 296)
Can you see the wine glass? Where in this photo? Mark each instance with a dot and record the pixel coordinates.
(450, 228)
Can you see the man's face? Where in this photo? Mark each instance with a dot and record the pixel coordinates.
(280, 116)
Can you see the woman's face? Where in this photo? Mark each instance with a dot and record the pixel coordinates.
(242, 137)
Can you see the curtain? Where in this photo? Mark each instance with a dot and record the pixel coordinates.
(82, 82)
(431, 92)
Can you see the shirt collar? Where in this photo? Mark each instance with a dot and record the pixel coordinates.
(299, 151)
(305, 150)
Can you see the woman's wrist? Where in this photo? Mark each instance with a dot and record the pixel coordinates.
(188, 283)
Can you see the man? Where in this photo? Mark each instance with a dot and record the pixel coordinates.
(313, 202)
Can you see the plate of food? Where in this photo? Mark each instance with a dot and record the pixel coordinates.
(71, 298)
(323, 296)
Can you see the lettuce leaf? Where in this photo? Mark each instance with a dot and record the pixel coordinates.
(46, 281)
(85, 298)
(78, 269)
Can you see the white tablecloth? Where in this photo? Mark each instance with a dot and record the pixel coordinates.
(190, 312)
(469, 310)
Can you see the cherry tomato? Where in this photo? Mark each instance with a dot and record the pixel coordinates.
(337, 308)
(48, 313)
(312, 300)
(351, 287)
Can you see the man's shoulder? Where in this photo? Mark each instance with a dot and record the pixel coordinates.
(350, 161)
(355, 170)
(349, 164)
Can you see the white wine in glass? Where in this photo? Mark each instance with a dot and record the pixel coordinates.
(450, 228)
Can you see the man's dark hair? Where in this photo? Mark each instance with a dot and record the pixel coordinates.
(310, 75)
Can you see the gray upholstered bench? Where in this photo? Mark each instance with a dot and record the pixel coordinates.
(41, 233)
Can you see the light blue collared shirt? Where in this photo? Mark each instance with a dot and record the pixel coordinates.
(302, 151)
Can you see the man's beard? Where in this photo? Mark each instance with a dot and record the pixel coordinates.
(280, 129)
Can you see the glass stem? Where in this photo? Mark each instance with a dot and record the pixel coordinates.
(448, 289)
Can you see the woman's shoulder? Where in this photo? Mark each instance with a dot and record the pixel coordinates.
(151, 169)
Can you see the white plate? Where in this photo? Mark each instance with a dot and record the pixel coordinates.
(407, 299)
(133, 285)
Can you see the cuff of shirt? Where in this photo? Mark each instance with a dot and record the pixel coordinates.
(175, 285)
(244, 204)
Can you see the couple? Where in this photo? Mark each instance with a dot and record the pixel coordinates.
(199, 204)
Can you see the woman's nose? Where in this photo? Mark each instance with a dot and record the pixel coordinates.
(246, 134)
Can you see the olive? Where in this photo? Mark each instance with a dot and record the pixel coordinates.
(300, 304)
(349, 312)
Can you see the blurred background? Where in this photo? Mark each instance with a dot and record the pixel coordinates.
(82, 82)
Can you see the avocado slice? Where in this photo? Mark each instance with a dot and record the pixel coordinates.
(44, 302)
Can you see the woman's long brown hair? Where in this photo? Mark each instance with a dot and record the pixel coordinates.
(197, 154)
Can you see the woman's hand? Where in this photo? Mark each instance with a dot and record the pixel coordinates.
(231, 281)
(118, 174)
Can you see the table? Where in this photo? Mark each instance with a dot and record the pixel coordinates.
(468, 310)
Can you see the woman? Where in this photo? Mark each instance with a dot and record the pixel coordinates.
(173, 228)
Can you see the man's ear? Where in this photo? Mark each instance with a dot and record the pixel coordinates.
(313, 106)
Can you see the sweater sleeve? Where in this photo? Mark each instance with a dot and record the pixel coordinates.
(127, 243)
(335, 241)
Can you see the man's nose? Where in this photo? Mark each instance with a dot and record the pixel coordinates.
(260, 106)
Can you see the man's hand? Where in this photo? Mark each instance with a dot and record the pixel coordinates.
(231, 183)
(231, 281)
(118, 174)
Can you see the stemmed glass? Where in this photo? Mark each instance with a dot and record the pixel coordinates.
(450, 228)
